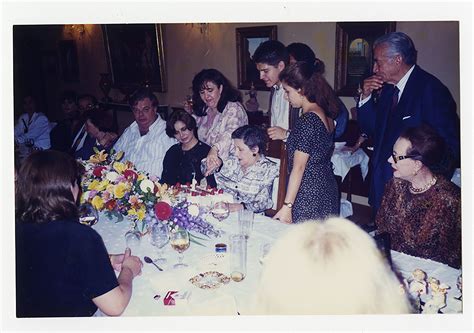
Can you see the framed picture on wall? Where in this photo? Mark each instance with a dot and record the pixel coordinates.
(354, 42)
(248, 39)
(68, 60)
(135, 55)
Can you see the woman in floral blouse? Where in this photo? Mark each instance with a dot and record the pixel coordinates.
(420, 208)
(247, 173)
(219, 112)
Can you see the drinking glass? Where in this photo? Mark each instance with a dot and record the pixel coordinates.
(133, 239)
(220, 210)
(159, 237)
(245, 222)
(88, 215)
(179, 241)
(238, 257)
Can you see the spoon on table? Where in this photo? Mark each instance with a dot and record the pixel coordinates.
(148, 260)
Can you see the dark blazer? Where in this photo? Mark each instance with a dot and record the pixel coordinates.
(424, 100)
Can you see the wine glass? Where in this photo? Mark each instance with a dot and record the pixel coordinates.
(220, 210)
(179, 241)
(133, 239)
(159, 237)
(88, 215)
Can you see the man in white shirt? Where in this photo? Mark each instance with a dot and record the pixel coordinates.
(271, 58)
(145, 141)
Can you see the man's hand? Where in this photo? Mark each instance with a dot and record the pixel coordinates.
(284, 215)
(277, 133)
(371, 83)
(132, 262)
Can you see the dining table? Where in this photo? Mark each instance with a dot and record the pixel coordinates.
(227, 297)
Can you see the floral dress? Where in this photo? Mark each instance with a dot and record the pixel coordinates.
(219, 132)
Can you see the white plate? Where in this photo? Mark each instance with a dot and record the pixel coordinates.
(209, 280)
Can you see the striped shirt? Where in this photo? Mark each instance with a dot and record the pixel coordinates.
(148, 151)
(254, 187)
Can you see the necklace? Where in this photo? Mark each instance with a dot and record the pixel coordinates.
(424, 188)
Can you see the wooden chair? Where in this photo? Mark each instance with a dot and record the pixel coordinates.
(276, 151)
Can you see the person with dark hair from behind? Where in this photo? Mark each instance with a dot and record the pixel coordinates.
(145, 142)
(66, 129)
(182, 162)
(420, 208)
(247, 174)
(407, 96)
(271, 58)
(312, 191)
(98, 126)
(218, 108)
(302, 52)
(62, 266)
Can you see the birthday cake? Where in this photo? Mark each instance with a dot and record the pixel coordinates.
(202, 196)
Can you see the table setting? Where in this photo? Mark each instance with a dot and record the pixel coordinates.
(200, 258)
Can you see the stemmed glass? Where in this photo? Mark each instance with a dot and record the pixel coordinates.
(159, 237)
(88, 215)
(220, 211)
(180, 241)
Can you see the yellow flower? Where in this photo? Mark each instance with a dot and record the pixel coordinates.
(102, 185)
(141, 213)
(119, 156)
(119, 190)
(94, 185)
(97, 202)
(119, 167)
(99, 157)
(141, 176)
(110, 188)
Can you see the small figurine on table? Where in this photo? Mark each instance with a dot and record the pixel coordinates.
(252, 103)
(417, 286)
(438, 298)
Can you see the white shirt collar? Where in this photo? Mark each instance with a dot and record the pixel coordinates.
(403, 81)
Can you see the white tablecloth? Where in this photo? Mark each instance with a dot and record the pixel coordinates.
(343, 161)
(235, 296)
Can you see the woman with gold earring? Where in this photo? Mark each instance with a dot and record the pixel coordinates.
(421, 210)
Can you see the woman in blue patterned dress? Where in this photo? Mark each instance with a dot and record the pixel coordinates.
(312, 191)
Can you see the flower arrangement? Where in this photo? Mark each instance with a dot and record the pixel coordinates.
(119, 190)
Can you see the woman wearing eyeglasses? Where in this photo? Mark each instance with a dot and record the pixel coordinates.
(421, 210)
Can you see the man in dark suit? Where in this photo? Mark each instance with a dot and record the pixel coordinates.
(399, 95)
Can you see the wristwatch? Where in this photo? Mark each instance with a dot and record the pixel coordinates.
(288, 204)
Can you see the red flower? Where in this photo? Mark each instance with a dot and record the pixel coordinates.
(163, 210)
(110, 205)
(130, 174)
(98, 171)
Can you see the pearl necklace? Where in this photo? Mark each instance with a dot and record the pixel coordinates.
(424, 188)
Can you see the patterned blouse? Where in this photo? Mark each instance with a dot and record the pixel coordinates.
(219, 132)
(254, 187)
(426, 225)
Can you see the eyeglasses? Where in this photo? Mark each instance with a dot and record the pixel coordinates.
(402, 157)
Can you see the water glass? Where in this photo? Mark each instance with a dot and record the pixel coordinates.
(159, 237)
(245, 222)
(180, 242)
(88, 215)
(133, 240)
(238, 257)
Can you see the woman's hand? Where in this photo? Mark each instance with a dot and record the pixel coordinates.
(277, 133)
(213, 161)
(235, 207)
(107, 139)
(284, 215)
(116, 261)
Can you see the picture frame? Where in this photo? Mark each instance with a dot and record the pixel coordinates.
(68, 60)
(135, 56)
(354, 58)
(247, 40)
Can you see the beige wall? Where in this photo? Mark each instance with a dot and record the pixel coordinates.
(187, 51)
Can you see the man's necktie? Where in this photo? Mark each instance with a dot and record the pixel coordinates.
(394, 99)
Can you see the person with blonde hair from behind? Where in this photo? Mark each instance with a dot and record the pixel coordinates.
(330, 267)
